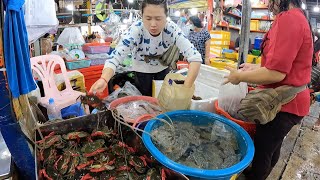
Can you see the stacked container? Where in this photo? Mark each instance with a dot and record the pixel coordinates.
(219, 40)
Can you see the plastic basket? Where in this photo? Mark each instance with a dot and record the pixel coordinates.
(220, 35)
(256, 52)
(96, 48)
(71, 65)
(222, 63)
(127, 99)
(95, 62)
(217, 50)
(254, 25)
(249, 127)
(220, 42)
(253, 59)
(201, 118)
(233, 56)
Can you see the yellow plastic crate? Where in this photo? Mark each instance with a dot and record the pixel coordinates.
(220, 35)
(253, 59)
(220, 63)
(254, 25)
(232, 56)
(219, 43)
(217, 50)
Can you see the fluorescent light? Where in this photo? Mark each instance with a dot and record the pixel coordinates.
(303, 6)
(70, 7)
(177, 13)
(193, 11)
(316, 9)
(130, 1)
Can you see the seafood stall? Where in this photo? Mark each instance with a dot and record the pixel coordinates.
(95, 147)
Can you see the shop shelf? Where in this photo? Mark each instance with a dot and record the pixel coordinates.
(230, 27)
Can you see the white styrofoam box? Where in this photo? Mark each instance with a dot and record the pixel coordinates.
(208, 94)
(211, 76)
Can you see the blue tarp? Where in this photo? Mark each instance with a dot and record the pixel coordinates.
(16, 50)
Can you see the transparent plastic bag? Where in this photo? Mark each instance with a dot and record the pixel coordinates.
(230, 96)
(127, 90)
(136, 109)
(40, 13)
(70, 36)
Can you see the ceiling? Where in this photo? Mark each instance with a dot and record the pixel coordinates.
(310, 5)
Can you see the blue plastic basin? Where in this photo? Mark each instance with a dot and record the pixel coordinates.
(202, 118)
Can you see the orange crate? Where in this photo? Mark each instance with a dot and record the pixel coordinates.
(249, 127)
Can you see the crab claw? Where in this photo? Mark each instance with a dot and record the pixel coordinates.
(163, 174)
(81, 166)
(95, 152)
(86, 177)
(45, 174)
(144, 160)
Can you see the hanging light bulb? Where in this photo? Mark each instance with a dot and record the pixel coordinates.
(177, 13)
(69, 7)
(303, 6)
(193, 11)
(316, 8)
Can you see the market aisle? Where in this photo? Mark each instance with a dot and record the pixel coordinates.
(300, 153)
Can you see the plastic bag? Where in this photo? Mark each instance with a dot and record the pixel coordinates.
(230, 96)
(127, 90)
(136, 109)
(173, 95)
(70, 36)
(40, 13)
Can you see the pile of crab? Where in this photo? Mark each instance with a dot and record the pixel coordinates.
(100, 154)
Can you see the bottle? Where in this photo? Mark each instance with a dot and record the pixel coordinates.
(52, 111)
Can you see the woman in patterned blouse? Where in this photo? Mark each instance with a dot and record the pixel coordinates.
(151, 37)
(200, 38)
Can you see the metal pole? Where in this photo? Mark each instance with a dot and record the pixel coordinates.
(245, 31)
(10, 129)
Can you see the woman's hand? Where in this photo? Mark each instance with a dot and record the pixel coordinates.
(193, 72)
(99, 86)
(249, 67)
(233, 77)
(207, 61)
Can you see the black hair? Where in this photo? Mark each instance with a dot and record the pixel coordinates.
(284, 6)
(162, 3)
(196, 21)
(46, 35)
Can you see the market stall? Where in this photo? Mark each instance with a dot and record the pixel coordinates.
(180, 132)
